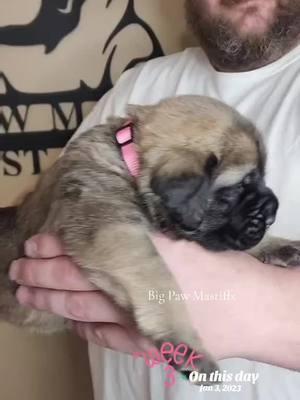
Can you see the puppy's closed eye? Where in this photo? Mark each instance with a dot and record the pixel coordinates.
(211, 164)
(184, 186)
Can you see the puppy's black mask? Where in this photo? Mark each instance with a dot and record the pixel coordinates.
(219, 218)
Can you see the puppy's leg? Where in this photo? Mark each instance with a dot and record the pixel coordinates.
(125, 254)
(277, 251)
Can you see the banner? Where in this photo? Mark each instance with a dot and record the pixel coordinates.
(57, 58)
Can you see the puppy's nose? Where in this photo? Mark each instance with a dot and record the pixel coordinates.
(268, 204)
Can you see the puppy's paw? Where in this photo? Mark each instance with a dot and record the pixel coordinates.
(190, 360)
(285, 255)
(205, 368)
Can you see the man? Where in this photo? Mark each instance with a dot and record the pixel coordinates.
(252, 62)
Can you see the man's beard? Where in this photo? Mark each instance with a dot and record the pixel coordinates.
(230, 51)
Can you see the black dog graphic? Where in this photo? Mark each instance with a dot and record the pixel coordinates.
(55, 20)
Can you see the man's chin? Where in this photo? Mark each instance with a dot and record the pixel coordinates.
(245, 35)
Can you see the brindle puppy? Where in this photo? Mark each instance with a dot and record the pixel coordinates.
(201, 178)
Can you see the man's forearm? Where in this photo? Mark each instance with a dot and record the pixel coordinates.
(276, 328)
(258, 317)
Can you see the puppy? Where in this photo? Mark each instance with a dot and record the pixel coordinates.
(200, 178)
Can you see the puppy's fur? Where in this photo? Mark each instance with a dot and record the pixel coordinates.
(201, 178)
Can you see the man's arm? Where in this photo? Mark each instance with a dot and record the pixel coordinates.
(239, 306)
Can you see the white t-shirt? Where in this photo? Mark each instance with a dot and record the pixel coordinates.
(270, 97)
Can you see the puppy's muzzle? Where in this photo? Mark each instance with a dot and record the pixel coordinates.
(251, 220)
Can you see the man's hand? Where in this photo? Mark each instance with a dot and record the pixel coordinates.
(51, 281)
(239, 306)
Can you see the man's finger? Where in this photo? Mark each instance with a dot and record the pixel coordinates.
(43, 246)
(112, 336)
(78, 306)
(53, 273)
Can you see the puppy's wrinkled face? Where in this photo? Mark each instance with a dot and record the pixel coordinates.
(203, 174)
(219, 217)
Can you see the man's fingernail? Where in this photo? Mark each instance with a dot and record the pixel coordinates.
(23, 295)
(14, 270)
(31, 248)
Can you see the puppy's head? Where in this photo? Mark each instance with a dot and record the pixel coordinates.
(202, 172)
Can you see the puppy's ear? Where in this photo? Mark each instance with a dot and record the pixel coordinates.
(183, 196)
(138, 113)
(175, 191)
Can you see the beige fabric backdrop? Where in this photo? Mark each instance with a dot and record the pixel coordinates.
(40, 82)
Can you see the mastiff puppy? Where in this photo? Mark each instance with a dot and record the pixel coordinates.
(189, 166)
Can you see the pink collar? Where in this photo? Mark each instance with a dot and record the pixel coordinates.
(128, 149)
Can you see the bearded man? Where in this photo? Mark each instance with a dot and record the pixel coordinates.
(249, 57)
